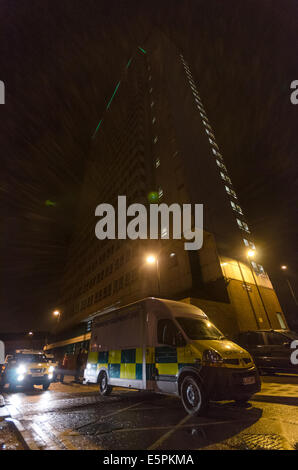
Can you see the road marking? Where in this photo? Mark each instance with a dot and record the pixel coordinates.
(44, 436)
(163, 438)
(61, 437)
(110, 414)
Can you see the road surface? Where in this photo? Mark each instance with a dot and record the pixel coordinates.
(74, 416)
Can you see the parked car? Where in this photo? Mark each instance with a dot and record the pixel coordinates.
(270, 349)
(26, 368)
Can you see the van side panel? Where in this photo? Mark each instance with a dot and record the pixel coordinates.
(118, 340)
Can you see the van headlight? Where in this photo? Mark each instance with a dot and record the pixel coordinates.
(212, 358)
(88, 366)
(51, 369)
(21, 369)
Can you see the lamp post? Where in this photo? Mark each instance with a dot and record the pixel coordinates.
(284, 269)
(249, 255)
(152, 259)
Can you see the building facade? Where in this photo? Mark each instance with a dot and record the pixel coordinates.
(155, 143)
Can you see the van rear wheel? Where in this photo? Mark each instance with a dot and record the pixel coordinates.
(193, 396)
(104, 388)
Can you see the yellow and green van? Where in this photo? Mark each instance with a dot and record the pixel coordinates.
(168, 347)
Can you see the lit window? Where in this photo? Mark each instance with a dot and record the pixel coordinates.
(243, 225)
(225, 177)
(231, 192)
(212, 142)
(153, 120)
(261, 269)
(236, 207)
(157, 163)
(249, 244)
(152, 104)
(160, 193)
(150, 77)
(221, 165)
(151, 89)
(155, 139)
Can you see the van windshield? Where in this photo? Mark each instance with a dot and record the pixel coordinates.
(199, 328)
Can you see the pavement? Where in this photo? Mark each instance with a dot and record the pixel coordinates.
(72, 416)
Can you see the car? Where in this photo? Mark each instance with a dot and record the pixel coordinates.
(270, 349)
(26, 368)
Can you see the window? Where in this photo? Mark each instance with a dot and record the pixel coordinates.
(276, 339)
(151, 89)
(261, 269)
(168, 334)
(155, 139)
(236, 207)
(243, 225)
(281, 321)
(153, 119)
(225, 177)
(252, 338)
(152, 104)
(160, 193)
(221, 165)
(231, 192)
(199, 328)
(249, 243)
(157, 162)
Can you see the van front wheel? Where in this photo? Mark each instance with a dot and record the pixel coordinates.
(104, 388)
(193, 396)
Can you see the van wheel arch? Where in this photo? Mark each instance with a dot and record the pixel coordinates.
(191, 373)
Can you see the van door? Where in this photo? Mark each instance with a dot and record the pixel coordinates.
(169, 338)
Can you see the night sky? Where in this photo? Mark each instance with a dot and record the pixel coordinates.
(60, 61)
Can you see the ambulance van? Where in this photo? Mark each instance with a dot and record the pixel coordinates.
(168, 347)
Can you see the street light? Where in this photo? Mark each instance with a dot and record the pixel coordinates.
(57, 314)
(284, 267)
(152, 259)
(249, 255)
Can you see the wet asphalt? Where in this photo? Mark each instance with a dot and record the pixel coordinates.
(72, 416)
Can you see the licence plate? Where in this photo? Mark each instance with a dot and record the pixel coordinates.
(37, 374)
(249, 380)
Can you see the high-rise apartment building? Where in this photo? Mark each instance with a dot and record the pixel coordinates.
(155, 138)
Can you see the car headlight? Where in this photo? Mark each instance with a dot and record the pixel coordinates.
(88, 366)
(21, 369)
(51, 369)
(212, 358)
(20, 378)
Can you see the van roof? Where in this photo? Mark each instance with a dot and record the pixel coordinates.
(179, 308)
(176, 308)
